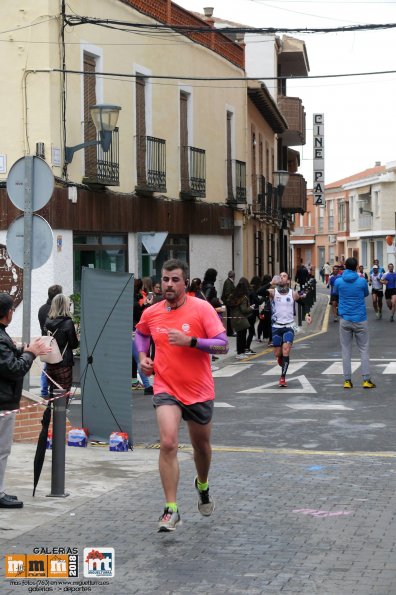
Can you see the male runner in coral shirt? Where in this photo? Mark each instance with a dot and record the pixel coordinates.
(185, 331)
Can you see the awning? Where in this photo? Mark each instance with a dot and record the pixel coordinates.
(363, 190)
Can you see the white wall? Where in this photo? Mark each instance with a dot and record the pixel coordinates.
(133, 254)
(261, 59)
(211, 252)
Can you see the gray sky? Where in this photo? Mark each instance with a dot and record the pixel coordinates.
(360, 122)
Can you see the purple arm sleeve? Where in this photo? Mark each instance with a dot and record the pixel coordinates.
(218, 344)
(142, 342)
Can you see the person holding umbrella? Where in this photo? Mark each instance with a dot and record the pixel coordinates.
(14, 364)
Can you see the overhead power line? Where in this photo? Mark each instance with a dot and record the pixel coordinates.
(74, 20)
(219, 79)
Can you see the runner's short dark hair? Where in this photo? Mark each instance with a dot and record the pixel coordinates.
(175, 263)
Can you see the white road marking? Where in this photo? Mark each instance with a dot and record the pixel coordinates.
(304, 387)
(390, 368)
(229, 371)
(336, 368)
(222, 404)
(292, 369)
(320, 407)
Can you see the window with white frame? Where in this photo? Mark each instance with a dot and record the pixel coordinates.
(321, 219)
(331, 215)
(352, 207)
(341, 216)
(364, 253)
(376, 200)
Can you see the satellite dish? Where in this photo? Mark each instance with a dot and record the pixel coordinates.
(42, 241)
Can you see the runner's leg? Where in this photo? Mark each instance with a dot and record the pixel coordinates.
(346, 335)
(168, 419)
(362, 340)
(375, 302)
(380, 298)
(286, 348)
(200, 441)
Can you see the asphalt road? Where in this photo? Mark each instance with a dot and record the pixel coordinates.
(314, 412)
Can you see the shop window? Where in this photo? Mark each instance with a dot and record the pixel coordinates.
(99, 251)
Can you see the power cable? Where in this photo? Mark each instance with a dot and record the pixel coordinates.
(74, 20)
(227, 78)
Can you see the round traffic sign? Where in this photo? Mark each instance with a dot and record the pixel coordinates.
(42, 241)
(43, 183)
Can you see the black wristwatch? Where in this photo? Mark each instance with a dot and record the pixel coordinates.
(193, 342)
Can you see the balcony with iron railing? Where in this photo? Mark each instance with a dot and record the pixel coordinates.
(150, 164)
(276, 211)
(102, 168)
(236, 176)
(192, 172)
(293, 111)
(294, 198)
(258, 194)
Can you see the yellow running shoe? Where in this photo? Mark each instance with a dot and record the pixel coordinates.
(348, 384)
(369, 384)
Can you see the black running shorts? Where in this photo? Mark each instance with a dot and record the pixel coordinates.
(201, 413)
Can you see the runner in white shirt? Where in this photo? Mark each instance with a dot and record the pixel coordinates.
(377, 292)
(282, 305)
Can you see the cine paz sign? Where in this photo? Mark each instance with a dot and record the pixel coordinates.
(318, 159)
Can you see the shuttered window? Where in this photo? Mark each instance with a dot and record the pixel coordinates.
(141, 131)
(230, 194)
(261, 155)
(184, 177)
(89, 126)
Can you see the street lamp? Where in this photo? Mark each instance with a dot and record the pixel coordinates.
(105, 118)
(281, 178)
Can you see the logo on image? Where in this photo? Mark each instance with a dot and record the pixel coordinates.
(98, 562)
(41, 566)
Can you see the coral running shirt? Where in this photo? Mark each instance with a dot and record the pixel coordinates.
(184, 372)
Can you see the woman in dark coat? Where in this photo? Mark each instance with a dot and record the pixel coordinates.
(240, 311)
(254, 301)
(264, 327)
(61, 325)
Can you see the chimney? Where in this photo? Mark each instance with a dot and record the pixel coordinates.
(377, 163)
(208, 11)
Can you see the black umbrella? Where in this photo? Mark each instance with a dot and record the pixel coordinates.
(41, 447)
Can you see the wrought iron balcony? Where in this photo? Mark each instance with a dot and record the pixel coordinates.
(236, 176)
(193, 172)
(294, 198)
(103, 168)
(150, 164)
(258, 194)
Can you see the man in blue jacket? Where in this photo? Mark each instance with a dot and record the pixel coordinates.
(352, 291)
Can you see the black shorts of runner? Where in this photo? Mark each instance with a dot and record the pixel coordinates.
(389, 293)
(377, 292)
(201, 413)
(333, 298)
